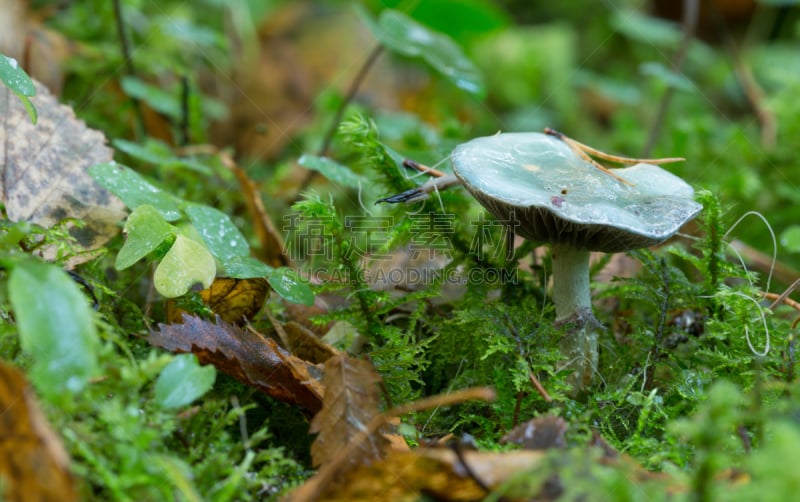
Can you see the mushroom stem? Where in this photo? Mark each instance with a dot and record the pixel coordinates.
(573, 302)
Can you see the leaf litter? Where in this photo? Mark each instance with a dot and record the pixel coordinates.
(44, 179)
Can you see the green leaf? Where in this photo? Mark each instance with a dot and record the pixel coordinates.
(646, 29)
(401, 34)
(186, 264)
(15, 78)
(790, 238)
(12, 74)
(145, 229)
(134, 190)
(246, 267)
(287, 283)
(667, 76)
(158, 153)
(332, 170)
(153, 95)
(55, 326)
(223, 239)
(183, 381)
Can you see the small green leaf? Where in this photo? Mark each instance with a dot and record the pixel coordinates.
(152, 151)
(134, 190)
(145, 230)
(401, 34)
(15, 78)
(159, 153)
(790, 238)
(223, 239)
(246, 267)
(183, 381)
(186, 264)
(55, 326)
(332, 170)
(287, 283)
(12, 74)
(153, 95)
(667, 76)
(646, 29)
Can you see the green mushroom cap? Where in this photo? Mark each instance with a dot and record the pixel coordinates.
(552, 195)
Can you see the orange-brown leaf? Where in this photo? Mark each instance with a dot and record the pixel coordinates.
(236, 299)
(246, 356)
(33, 463)
(351, 402)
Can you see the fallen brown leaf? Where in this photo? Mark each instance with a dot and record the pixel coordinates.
(235, 300)
(303, 343)
(33, 462)
(335, 470)
(439, 473)
(351, 402)
(246, 356)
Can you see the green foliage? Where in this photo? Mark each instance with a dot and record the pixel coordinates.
(55, 327)
(15, 78)
(403, 35)
(183, 381)
(697, 377)
(190, 259)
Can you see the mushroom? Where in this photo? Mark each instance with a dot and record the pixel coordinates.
(554, 196)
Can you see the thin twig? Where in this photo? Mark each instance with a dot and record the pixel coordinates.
(784, 297)
(130, 70)
(337, 117)
(691, 10)
(183, 139)
(539, 388)
(413, 164)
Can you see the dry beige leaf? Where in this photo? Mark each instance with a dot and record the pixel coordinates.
(43, 165)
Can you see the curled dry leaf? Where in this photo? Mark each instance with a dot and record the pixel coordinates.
(303, 343)
(44, 165)
(350, 404)
(439, 473)
(33, 462)
(246, 356)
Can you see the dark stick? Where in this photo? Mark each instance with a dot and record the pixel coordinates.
(183, 139)
(691, 10)
(130, 70)
(337, 117)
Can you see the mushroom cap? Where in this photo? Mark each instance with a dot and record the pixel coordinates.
(555, 196)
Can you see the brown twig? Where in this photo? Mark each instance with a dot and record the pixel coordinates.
(538, 386)
(413, 164)
(586, 152)
(784, 297)
(691, 11)
(130, 70)
(337, 117)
